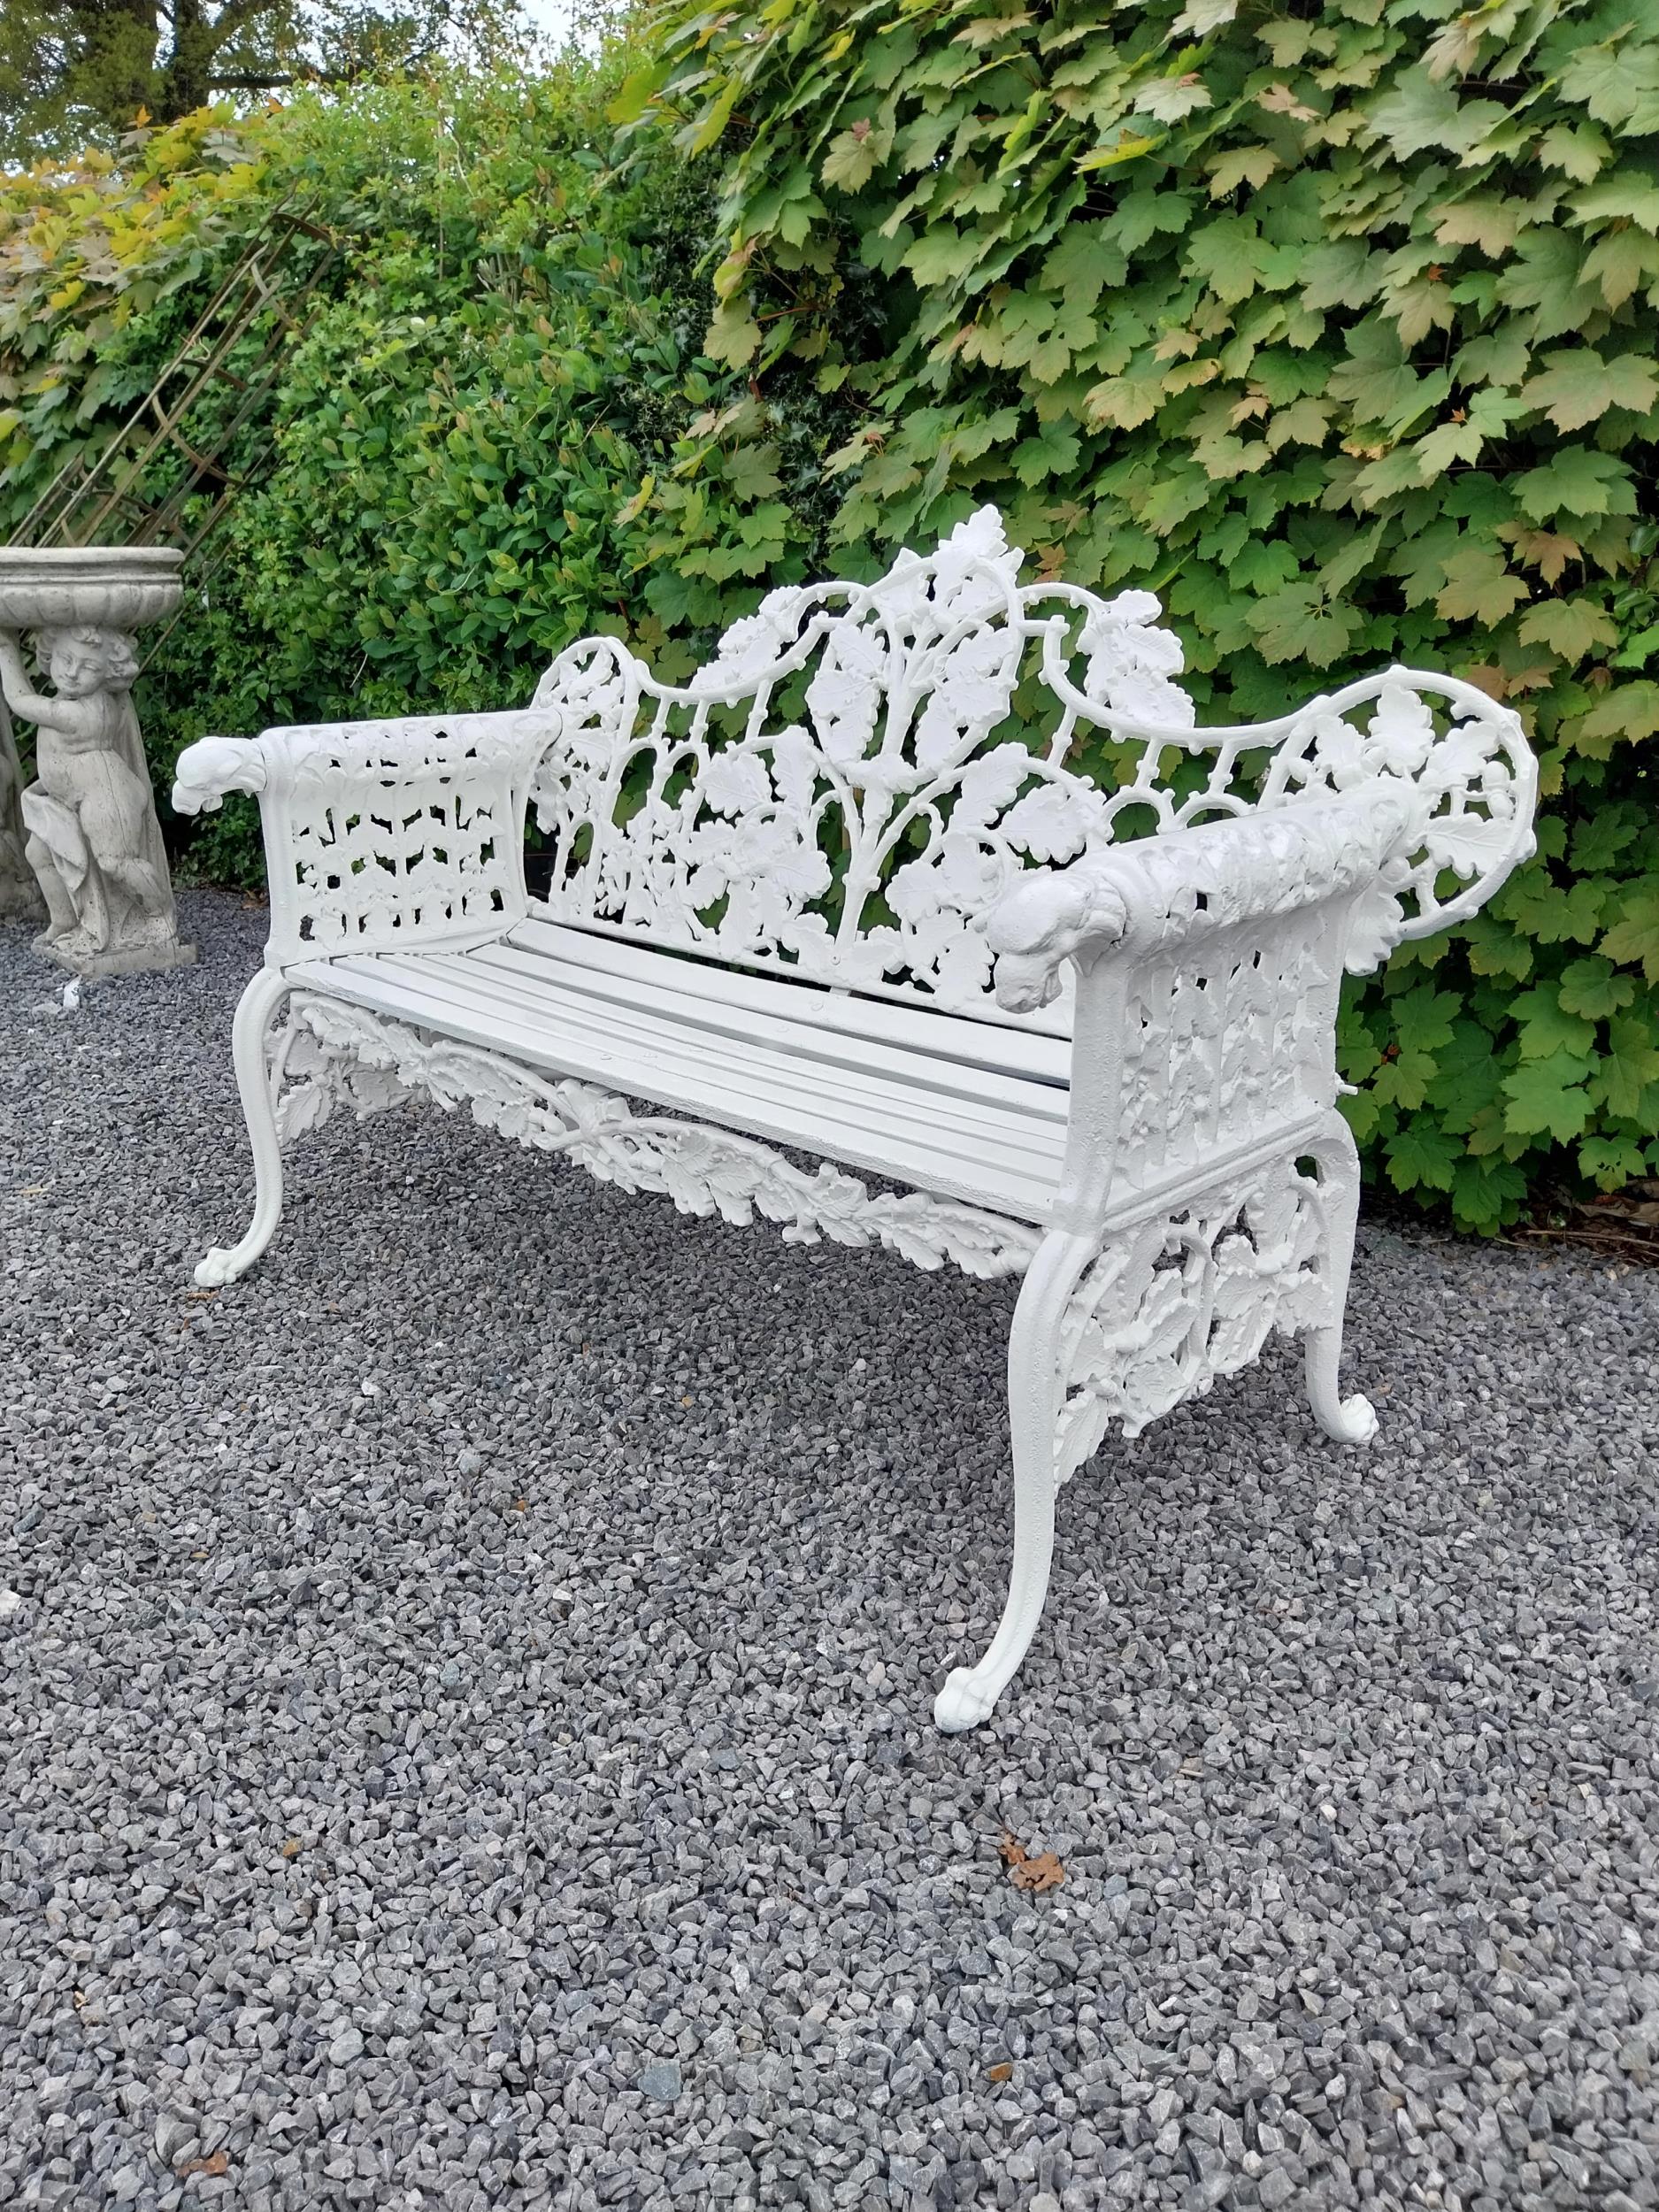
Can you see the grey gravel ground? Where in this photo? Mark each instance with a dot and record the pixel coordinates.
(465, 1711)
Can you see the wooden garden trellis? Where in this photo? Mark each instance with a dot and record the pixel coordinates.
(105, 498)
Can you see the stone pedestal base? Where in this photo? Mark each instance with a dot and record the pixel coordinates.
(130, 960)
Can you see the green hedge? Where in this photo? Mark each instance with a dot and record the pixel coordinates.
(1336, 326)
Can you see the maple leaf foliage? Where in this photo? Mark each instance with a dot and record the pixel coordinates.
(1340, 326)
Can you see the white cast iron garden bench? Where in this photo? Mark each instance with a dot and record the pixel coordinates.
(840, 893)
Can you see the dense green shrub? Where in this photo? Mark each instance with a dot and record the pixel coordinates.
(478, 440)
(1335, 325)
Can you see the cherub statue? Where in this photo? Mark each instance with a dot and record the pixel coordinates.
(93, 840)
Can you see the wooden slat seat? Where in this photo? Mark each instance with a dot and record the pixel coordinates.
(947, 1104)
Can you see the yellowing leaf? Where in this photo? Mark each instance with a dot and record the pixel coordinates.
(1578, 480)
(1449, 442)
(1578, 152)
(1634, 935)
(1621, 716)
(1304, 422)
(1546, 550)
(1578, 387)
(1126, 401)
(1126, 146)
(852, 157)
(1572, 627)
(985, 30)
(1245, 165)
(1279, 99)
(1452, 50)
(733, 334)
(1620, 262)
(1479, 587)
(1622, 199)
(1481, 219)
(1167, 99)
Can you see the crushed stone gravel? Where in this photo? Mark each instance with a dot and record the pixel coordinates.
(464, 1705)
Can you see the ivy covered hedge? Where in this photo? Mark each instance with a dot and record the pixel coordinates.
(1336, 326)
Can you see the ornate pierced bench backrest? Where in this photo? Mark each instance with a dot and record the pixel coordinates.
(844, 791)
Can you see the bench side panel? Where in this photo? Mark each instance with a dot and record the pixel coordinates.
(382, 836)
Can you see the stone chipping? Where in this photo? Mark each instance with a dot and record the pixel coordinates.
(464, 1704)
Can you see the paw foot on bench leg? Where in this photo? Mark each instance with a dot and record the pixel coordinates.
(1355, 1420)
(1346, 1420)
(964, 1701)
(224, 1264)
(970, 1692)
(1351, 1420)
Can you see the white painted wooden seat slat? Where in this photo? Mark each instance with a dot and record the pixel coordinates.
(843, 893)
(885, 1126)
(901, 1101)
(782, 1018)
(1020, 1053)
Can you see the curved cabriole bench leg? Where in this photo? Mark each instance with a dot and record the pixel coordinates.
(259, 1004)
(1034, 1400)
(1351, 1420)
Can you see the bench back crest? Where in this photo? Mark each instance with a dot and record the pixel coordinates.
(862, 770)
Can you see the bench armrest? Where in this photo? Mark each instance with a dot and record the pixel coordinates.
(1164, 892)
(382, 835)
(1209, 963)
(1465, 755)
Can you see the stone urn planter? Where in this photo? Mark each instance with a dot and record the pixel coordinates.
(86, 829)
